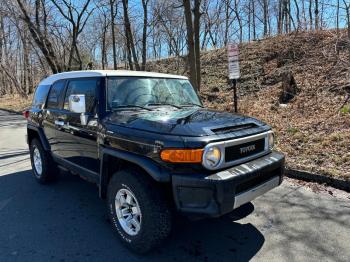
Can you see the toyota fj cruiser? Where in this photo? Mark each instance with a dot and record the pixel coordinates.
(151, 147)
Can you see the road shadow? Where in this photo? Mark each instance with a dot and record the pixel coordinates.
(66, 221)
(11, 154)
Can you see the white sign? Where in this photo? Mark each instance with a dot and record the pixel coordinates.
(233, 61)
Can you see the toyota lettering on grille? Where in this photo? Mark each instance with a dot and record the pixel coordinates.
(247, 149)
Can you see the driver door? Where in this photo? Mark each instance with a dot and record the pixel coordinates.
(77, 143)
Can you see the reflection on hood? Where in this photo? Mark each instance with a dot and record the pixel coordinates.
(186, 121)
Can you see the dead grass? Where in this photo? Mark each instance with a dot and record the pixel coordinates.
(15, 102)
(315, 136)
(313, 130)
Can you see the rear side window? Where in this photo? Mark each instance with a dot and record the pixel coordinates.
(55, 94)
(40, 96)
(85, 87)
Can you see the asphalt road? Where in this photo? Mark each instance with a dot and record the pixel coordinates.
(66, 221)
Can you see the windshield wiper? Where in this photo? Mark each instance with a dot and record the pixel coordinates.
(163, 104)
(192, 104)
(130, 106)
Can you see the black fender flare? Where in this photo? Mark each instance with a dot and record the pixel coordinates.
(151, 167)
(42, 136)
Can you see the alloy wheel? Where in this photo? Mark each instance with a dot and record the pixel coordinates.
(38, 165)
(128, 211)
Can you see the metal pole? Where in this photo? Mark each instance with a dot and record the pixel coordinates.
(234, 82)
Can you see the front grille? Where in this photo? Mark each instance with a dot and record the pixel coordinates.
(244, 150)
(257, 180)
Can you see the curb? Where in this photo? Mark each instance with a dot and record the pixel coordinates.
(310, 177)
(11, 111)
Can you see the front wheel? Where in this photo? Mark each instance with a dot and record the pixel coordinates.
(138, 210)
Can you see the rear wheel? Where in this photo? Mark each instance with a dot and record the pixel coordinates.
(138, 210)
(43, 167)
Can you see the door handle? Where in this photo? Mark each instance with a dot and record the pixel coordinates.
(59, 123)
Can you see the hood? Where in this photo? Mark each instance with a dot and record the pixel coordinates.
(183, 122)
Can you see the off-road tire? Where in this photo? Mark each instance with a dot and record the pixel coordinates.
(156, 220)
(49, 167)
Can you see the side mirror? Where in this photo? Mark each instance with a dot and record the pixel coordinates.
(77, 103)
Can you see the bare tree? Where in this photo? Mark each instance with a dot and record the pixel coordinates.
(317, 18)
(113, 15)
(144, 33)
(196, 27)
(131, 49)
(266, 16)
(347, 9)
(297, 14)
(38, 30)
(104, 23)
(77, 19)
(310, 14)
(239, 20)
(193, 43)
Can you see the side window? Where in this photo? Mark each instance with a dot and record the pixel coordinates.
(85, 87)
(55, 94)
(40, 96)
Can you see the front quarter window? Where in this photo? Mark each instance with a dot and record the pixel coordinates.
(136, 91)
(40, 96)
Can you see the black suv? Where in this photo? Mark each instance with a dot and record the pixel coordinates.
(150, 146)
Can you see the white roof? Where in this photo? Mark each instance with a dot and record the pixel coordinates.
(98, 73)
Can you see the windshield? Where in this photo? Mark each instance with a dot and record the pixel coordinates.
(143, 92)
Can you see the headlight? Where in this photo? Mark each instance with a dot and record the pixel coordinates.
(271, 140)
(211, 157)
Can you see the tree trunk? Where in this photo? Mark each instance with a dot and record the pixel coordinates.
(239, 20)
(253, 18)
(103, 49)
(337, 18)
(196, 25)
(310, 14)
(280, 17)
(227, 17)
(266, 14)
(190, 43)
(317, 19)
(26, 66)
(249, 20)
(297, 14)
(144, 34)
(114, 50)
(3, 86)
(347, 8)
(129, 39)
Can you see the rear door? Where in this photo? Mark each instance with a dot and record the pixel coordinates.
(77, 143)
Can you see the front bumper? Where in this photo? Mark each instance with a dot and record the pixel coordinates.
(217, 194)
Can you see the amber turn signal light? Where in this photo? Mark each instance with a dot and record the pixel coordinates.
(182, 155)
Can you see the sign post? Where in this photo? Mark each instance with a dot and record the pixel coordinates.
(233, 69)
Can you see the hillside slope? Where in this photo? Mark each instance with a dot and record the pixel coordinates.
(313, 129)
